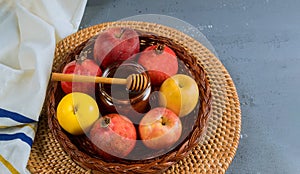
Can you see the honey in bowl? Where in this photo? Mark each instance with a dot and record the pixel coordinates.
(114, 98)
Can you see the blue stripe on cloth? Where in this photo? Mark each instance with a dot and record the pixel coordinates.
(15, 116)
(22, 136)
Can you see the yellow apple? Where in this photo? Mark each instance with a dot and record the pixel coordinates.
(180, 94)
(76, 112)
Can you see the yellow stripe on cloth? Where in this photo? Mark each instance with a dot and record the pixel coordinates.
(33, 126)
(8, 165)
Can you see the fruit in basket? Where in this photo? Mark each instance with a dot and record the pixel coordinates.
(115, 44)
(160, 128)
(81, 66)
(76, 113)
(160, 61)
(179, 93)
(114, 135)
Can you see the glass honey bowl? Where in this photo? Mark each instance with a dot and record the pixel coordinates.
(114, 98)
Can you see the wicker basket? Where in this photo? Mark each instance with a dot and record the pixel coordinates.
(78, 147)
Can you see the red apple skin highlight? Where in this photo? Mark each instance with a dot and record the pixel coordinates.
(114, 135)
(160, 128)
(114, 45)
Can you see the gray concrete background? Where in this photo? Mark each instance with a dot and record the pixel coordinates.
(258, 42)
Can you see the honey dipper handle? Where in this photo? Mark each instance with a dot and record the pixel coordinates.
(82, 78)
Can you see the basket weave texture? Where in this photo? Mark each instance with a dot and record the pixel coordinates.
(212, 155)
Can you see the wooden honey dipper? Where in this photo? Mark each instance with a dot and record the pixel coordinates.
(134, 82)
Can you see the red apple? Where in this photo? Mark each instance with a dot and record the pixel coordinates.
(160, 128)
(115, 44)
(114, 135)
(81, 66)
(160, 61)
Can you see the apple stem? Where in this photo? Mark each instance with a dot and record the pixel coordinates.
(105, 122)
(163, 121)
(75, 109)
(121, 33)
(159, 49)
(180, 85)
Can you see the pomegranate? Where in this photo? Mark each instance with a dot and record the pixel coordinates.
(114, 135)
(81, 66)
(160, 61)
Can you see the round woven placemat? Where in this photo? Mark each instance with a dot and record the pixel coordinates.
(213, 155)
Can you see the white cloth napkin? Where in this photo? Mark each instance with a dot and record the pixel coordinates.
(29, 30)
